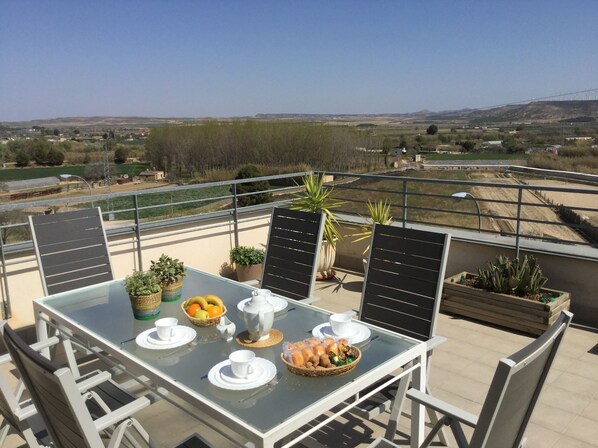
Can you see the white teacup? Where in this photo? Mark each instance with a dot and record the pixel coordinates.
(166, 328)
(341, 323)
(240, 363)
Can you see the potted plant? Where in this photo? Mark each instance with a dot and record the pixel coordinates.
(509, 293)
(145, 292)
(316, 198)
(248, 262)
(170, 271)
(379, 214)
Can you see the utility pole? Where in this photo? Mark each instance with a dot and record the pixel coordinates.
(107, 175)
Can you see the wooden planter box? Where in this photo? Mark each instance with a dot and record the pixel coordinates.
(501, 309)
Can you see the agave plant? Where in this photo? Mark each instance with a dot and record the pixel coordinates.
(379, 214)
(523, 278)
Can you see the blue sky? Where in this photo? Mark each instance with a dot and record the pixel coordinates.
(223, 58)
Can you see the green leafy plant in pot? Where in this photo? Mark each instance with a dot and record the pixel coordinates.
(316, 198)
(248, 262)
(145, 291)
(170, 271)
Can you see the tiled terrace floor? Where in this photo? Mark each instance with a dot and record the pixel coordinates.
(566, 416)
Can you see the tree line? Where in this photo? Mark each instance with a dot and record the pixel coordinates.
(38, 150)
(192, 150)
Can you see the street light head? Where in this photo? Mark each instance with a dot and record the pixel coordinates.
(65, 176)
(460, 194)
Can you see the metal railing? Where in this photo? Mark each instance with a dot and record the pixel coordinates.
(510, 208)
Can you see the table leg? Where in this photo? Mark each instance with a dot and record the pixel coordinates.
(41, 328)
(417, 410)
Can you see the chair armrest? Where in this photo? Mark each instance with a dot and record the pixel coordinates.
(38, 346)
(435, 342)
(443, 407)
(93, 379)
(121, 413)
(311, 299)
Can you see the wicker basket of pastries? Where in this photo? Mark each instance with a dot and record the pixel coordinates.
(204, 311)
(320, 357)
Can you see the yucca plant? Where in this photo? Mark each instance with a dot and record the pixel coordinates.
(316, 198)
(379, 214)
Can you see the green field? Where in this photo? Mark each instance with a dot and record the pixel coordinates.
(474, 156)
(7, 174)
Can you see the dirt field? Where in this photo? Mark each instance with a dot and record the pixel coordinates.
(572, 200)
(506, 211)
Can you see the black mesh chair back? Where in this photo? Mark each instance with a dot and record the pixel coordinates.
(71, 248)
(292, 253)
(404, 278)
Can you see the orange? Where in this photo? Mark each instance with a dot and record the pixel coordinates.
(214, 311)
(193, 308)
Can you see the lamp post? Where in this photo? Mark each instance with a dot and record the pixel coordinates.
(464, 194)
(68, 176)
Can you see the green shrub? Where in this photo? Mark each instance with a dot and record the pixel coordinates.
(246, 256)
(246, 172)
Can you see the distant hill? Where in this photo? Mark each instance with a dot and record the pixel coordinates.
(537, 111)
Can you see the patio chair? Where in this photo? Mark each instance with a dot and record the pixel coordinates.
(95, 395)
(66, 406)
(19, 413)
(510, 401)
(292, 253)
(71, 249)
(401, 292)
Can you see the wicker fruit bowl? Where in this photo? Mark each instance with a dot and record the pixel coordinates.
(208, 322)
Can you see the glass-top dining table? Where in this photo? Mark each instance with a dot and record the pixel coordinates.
(101, 318)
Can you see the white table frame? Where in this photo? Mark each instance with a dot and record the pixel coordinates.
(46, 316)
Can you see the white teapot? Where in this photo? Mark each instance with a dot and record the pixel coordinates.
(258, 314)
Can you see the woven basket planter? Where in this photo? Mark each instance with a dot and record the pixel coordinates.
(146, 307)
(505, 310)
(172, 292)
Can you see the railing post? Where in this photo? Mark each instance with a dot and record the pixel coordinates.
(5, 297)
(137, 232)
(235, 216)
(517, 235)
(404, 203)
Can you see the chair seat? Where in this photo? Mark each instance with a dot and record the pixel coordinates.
(112, 394)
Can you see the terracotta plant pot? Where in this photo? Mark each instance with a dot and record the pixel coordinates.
(173, 291)
(251, 272)
(146, 307)
(327, 257)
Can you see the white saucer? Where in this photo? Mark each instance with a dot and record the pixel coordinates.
(359, 334)
(216, 377)
(278, 303)
(149, 339)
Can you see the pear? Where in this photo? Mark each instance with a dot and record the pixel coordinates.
(201, 314)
